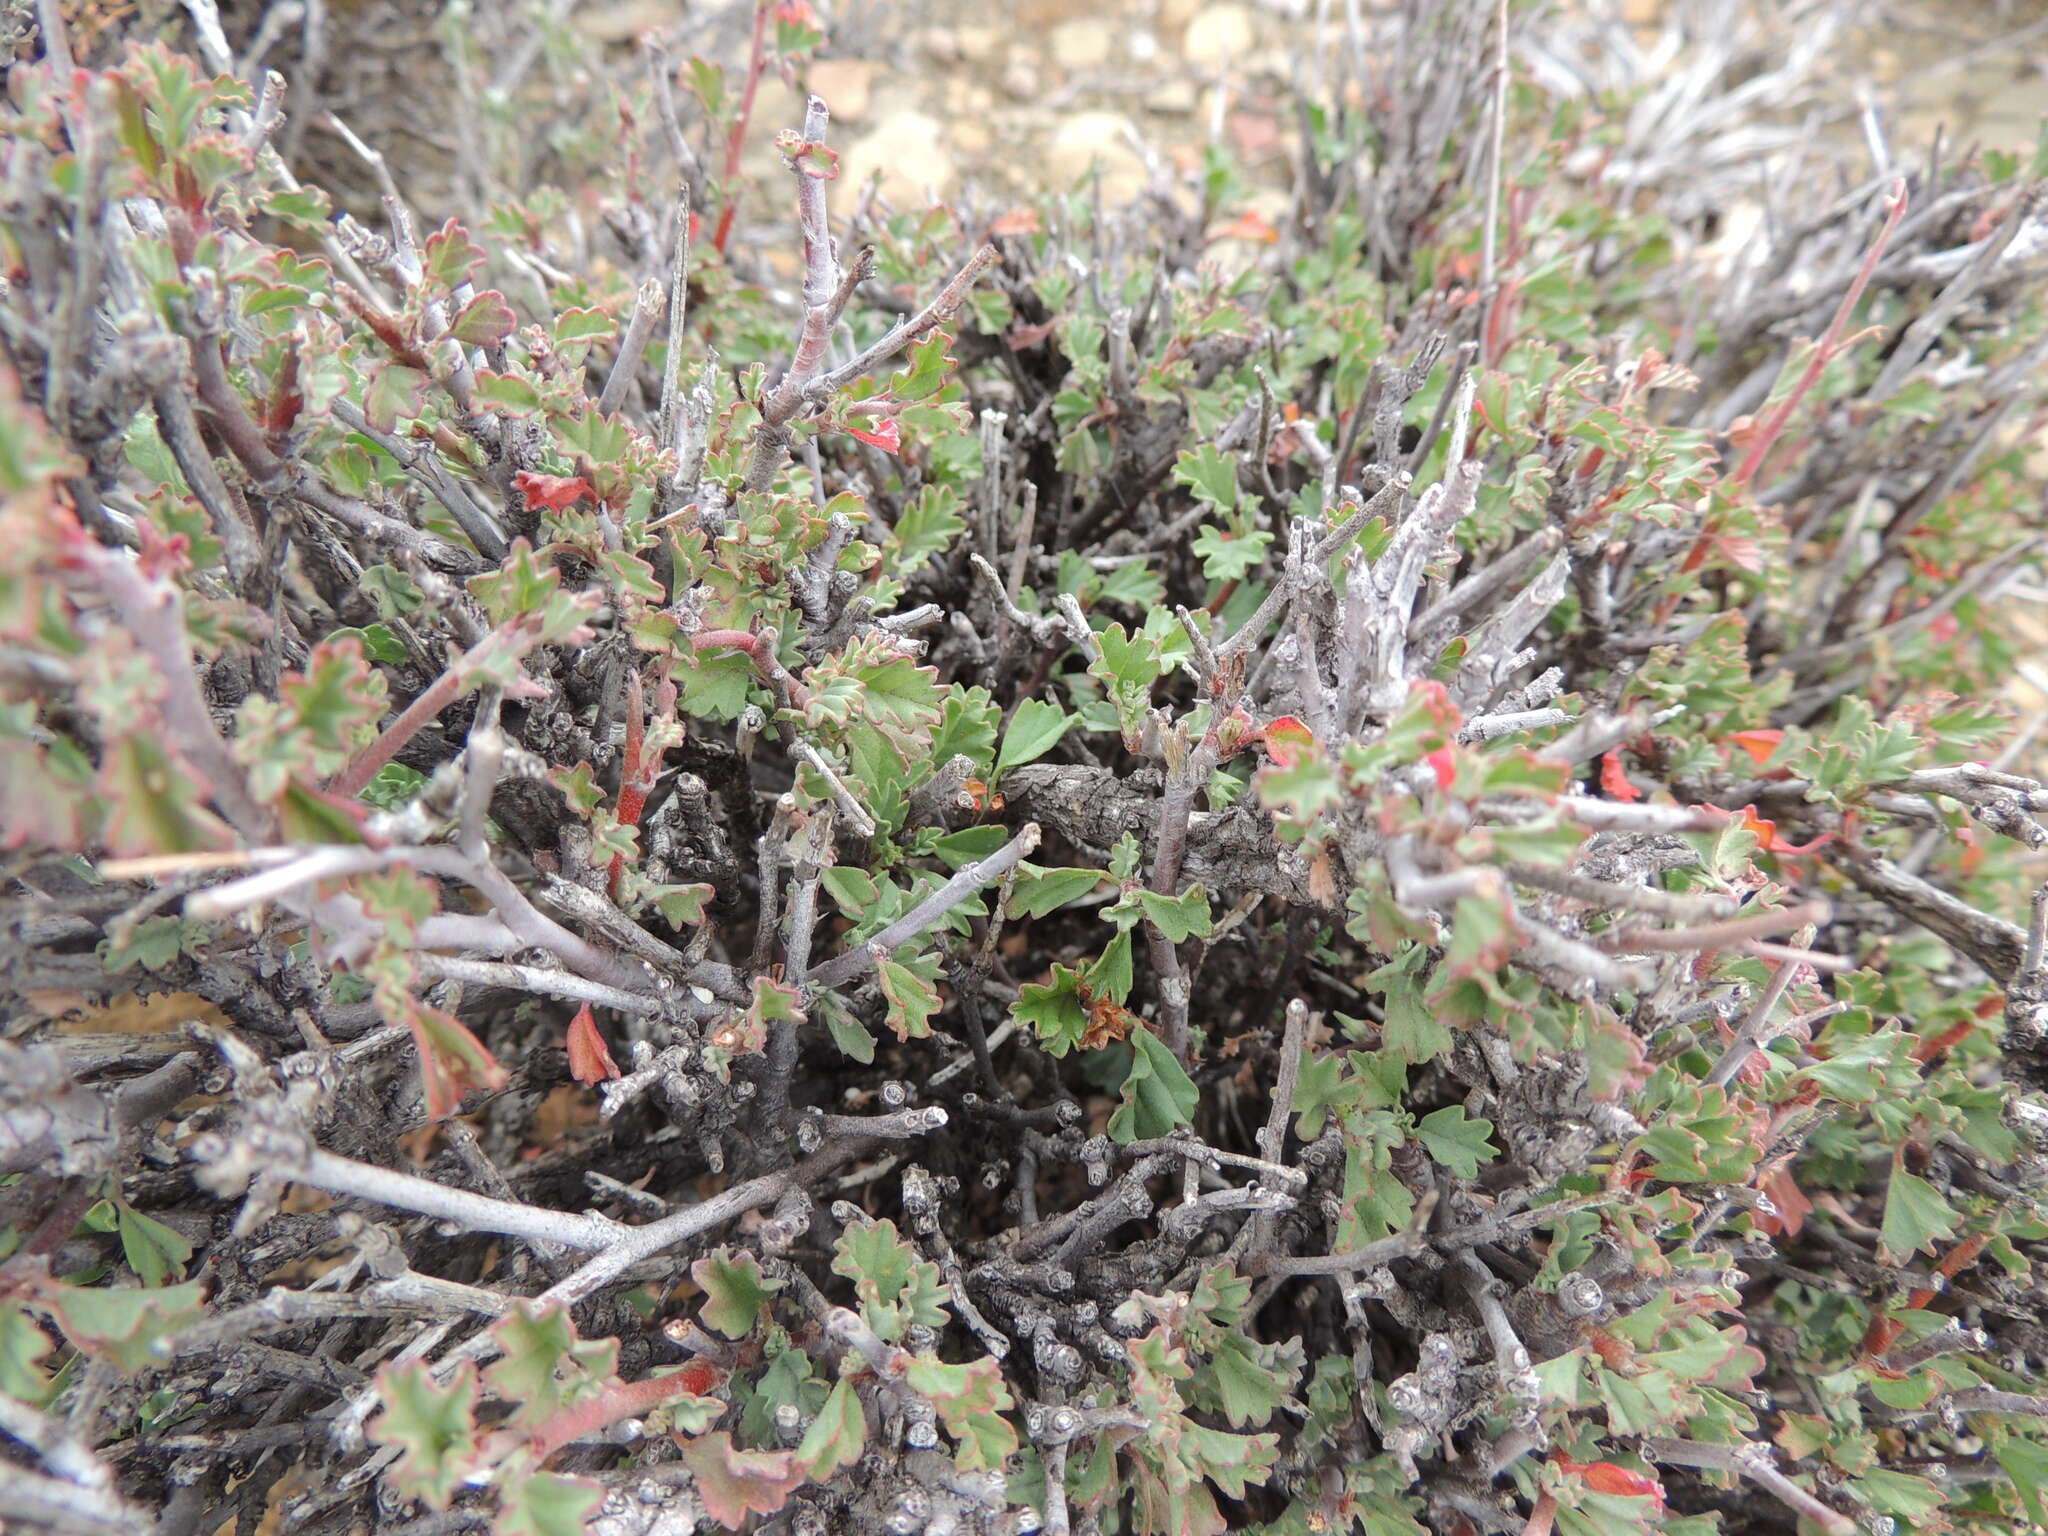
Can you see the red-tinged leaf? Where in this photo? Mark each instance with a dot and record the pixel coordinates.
(590, 1060)
(555, 492)
(1791, 1202)
(485, 321)
(1021, 220)
(452, 1060)
(1760, 745)
(395, 392)
(1023, 338)
(1741, 552)
(1768, 841)
(1614, 778)
(36, 806)
(807, 158)
(1248, 226)
(1445, 766)
(734, 1483)
(1608, 1477)
(1286, 737)
(154, 804)
(886, 436)
(451, 256)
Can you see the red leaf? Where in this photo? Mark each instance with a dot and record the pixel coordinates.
(1249, 226)
(1284, 736)
(1018, 221)
(590, 1061)
(1607, 1477)
(1741, 551)
(1614, 778)
(1758, 744)
(1791, 1202)
(1024, 337)
(552, 491)
(1444, 766)
(1767, 837)
(885, 436)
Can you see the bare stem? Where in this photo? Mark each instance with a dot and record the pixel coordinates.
(1753, 1460)
(843, 968)
(1709, 937)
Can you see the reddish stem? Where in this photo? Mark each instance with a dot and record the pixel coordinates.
(1885, 1331)
(1831, 344)
(736, 141)
(636, 778)
(621, 1400)
(437, 696)
(770, 671)
(54, 1229)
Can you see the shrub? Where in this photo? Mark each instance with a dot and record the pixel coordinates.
(1043, 882)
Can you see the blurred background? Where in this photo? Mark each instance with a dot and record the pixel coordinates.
(941, 95)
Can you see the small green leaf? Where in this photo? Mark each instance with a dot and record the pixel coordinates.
(547, 1504)
(2026, 1463)
(1915, 1215)
(432, 1427)
(1111, 975)
(1228, 557)
(575, 325)
(837, 1436)
(1158, 1095)
(132, 1328)
(23, 1344)
(682, 906)
(1178, 918)
(970, 1400)
(1459, 1144)
(510, 393)
(848, 1033)
(895, 1287)
(1210, 473)
(154, 1251)
(543, 1364)
(734, 1291)
(1054, 1010)
(1035, 729)
(451, 257)
(1039, 891)
(912, 1000)
(1322, 1087)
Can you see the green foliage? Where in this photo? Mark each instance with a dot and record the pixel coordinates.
(432, 1427)
(1158, 1094)
(1565, 671)
(897, 1290)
